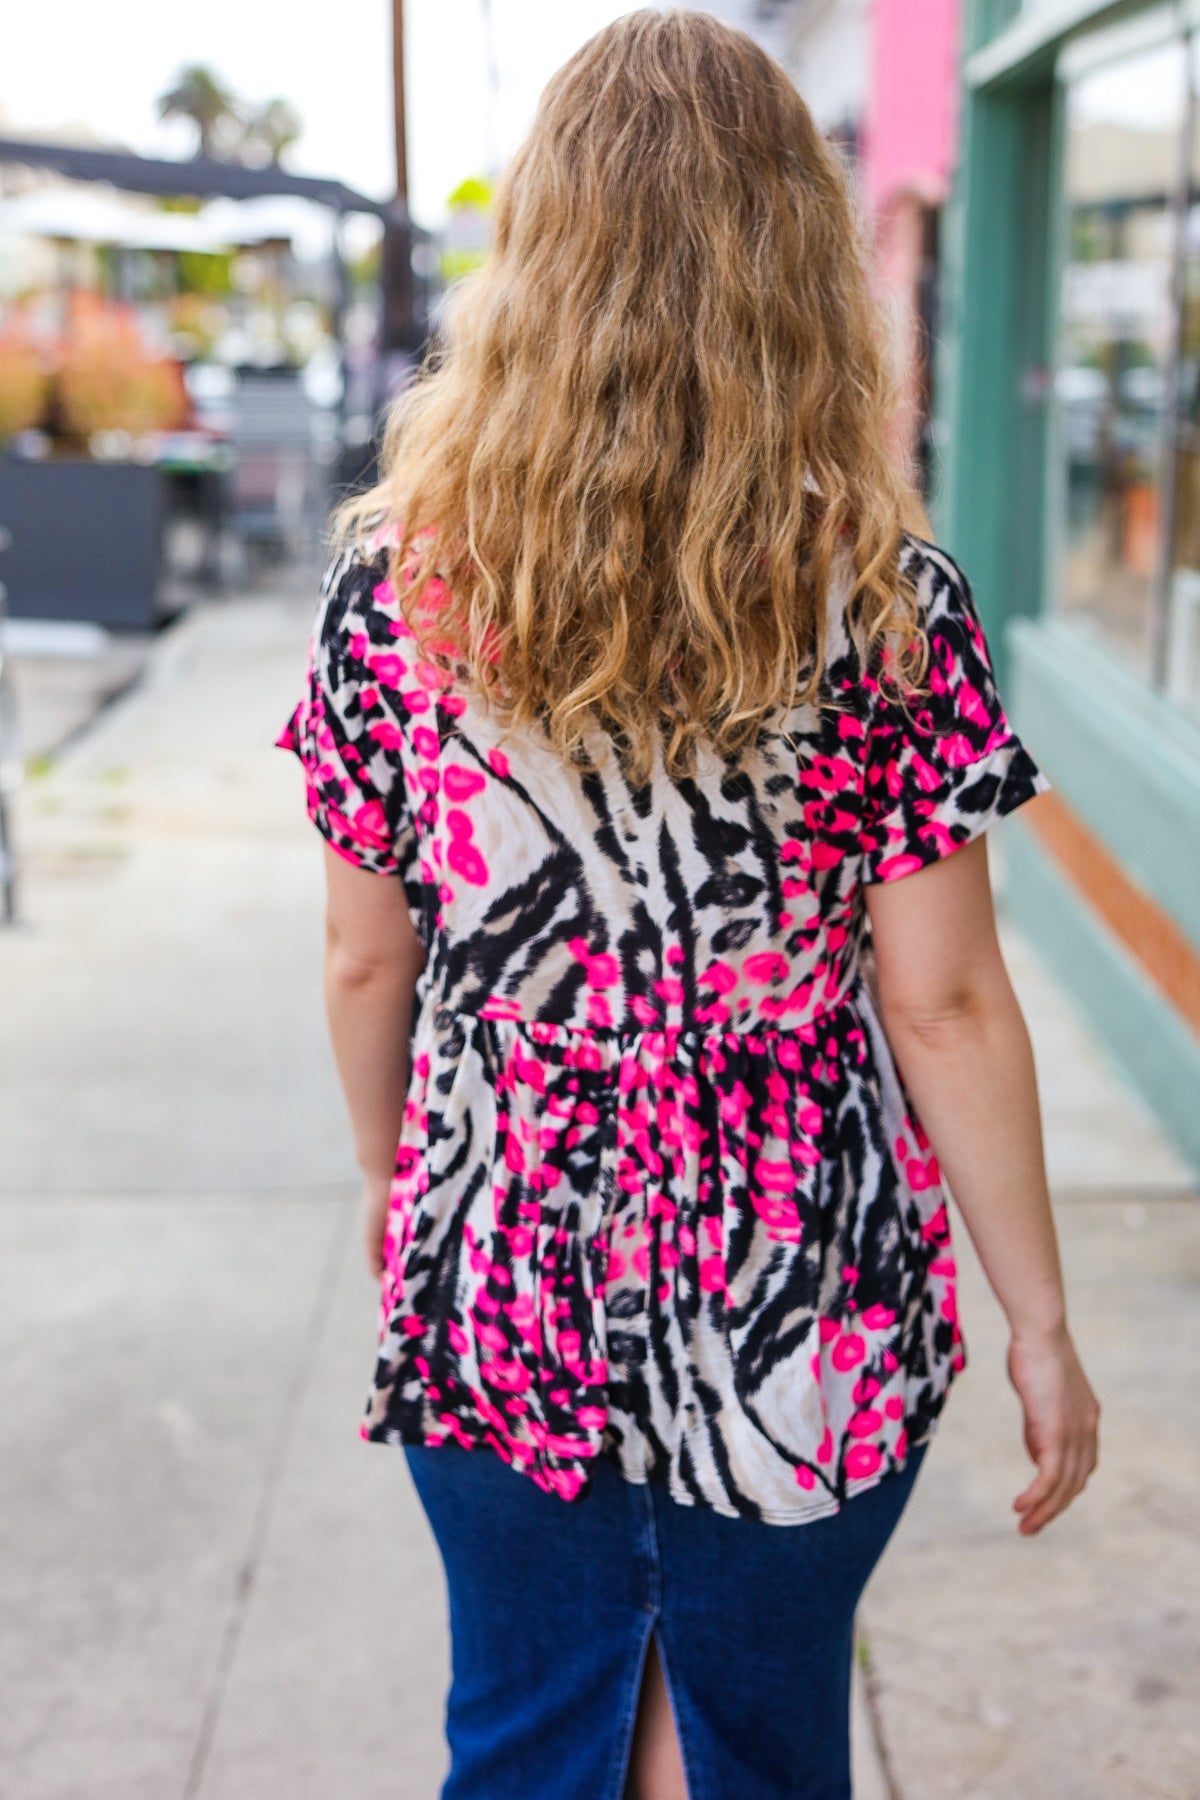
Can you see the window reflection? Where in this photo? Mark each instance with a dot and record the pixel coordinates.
(1124, 122)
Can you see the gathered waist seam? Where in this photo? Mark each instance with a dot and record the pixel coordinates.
(551, 1031)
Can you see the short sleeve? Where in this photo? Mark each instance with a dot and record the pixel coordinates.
(347, 737)
(944, 765)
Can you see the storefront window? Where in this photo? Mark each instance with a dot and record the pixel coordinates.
(1182, 635)
(1125, 121)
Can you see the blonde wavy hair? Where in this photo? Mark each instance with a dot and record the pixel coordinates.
(660, 417)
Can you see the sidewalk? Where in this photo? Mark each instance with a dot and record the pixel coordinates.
(209, 1589)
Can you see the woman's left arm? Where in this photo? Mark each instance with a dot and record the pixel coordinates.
(373, 957)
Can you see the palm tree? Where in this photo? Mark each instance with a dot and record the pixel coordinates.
(270, 129)
(198, 95)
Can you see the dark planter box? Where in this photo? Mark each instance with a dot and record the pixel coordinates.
(86, 540)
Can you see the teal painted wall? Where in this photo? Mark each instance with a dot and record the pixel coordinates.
(1154, 1049)
(1126, 761)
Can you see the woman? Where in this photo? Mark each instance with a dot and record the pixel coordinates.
(678, 750)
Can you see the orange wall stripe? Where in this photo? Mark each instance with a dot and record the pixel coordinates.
(1153, 939)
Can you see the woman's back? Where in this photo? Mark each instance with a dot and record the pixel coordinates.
(664, 1186)
(665, 737)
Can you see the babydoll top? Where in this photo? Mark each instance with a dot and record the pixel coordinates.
(660, 1192)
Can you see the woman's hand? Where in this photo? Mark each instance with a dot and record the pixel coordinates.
(1062, 1415)
(375, 1192)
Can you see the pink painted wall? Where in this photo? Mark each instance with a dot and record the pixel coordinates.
(911, 124)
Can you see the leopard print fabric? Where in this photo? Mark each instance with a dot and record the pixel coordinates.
(660, 1192)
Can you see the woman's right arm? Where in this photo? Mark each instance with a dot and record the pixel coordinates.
(963, 1050)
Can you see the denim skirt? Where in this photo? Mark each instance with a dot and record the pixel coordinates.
(553, 1604)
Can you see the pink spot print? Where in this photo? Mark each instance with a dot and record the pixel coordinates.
(765, 967)
(599, 1012)
(387, 668)
(462, 855)
(510, 1377)
(862, 1460)
(603, 970)
(894, 866)
(779, 1214)
(848, 1352)
(387, 734)
(805, 1477)
(425, 742)
(862, 1424)
(878, 1317)
(461, 783)
(498, 762)
(825, 1447)
(719, 976)
(712, 1275)
(466, 861)
(893, 1406)
(367, 826)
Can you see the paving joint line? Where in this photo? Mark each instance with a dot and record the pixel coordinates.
(873, 1701)
(264, 1512)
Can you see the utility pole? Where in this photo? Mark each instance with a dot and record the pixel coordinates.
(492, 69)
(400, 331)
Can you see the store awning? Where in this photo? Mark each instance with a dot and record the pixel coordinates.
(203, 176)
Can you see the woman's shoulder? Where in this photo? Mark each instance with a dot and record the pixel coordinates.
(356, 591)
(942, 608)
(939, 582)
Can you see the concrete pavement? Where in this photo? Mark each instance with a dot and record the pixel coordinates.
(209, 1589)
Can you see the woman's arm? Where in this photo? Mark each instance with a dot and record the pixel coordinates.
(960, 1041)
(373, 957)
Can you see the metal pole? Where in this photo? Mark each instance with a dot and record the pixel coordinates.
(399, 326)
(341, 299)
(492, 67)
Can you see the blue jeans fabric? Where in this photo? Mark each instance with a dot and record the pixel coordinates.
(553, 1603)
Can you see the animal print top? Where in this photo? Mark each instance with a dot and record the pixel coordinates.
(660, 1192)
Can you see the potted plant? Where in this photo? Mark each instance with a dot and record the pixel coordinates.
(87, 520)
